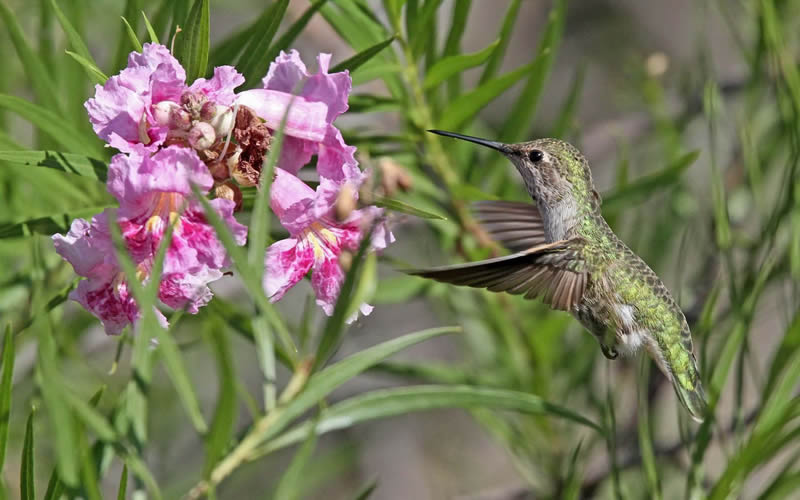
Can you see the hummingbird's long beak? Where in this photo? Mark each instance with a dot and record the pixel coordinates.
(499, 146)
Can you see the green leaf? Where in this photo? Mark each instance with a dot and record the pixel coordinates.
(95, 74)
(287, 39)
(54, 302)
(123, 480)
(365, 492)
(424, 26)
(52, 125)
(192, 43)
(35, 69)
(90, 417)
(505, 37)
(62, 424)
(399, 206)
(291, 483)
(464, 108)
(335, 326)
(55, 487)
(645, 186)
(5, 391)
(229, 50)
(362, 57)
(564, 123)
(398, 289)
(26, 476)
(403, 400)
(81, 51)
(516, 123)
(365, 286)
(222, 425)
(326, 380)
(362, 103)
(130, 11)
(151, 32)
(168, 349)
(453, 65)
(137, 45)
(45, 225)
(70, 163)
(253, 65)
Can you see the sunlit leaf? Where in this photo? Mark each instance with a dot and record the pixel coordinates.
(455, 64)
(192, 43)
(253, 63)
(5, 391)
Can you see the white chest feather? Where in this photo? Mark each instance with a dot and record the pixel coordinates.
(630, 336)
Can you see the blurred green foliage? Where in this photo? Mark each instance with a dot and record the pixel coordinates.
(529, 376)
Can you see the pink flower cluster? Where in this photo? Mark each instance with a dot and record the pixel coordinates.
(172, 136)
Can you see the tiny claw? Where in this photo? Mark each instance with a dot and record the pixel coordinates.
(609, 352)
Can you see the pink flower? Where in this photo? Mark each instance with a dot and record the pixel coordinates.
(148, 102)
(153, 191)
(318, 100)
(316, 241)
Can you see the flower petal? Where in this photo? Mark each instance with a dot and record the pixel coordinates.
(306, 119)
(286, 262)
(291, 199)
(220, 87)
(285, 72)
(187, 291)
(109, 302)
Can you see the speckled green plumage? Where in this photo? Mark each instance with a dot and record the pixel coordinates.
(567, 255)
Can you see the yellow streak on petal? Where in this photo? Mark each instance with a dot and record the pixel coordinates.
(152, 223)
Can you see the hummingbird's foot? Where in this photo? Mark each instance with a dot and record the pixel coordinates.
(609, 352)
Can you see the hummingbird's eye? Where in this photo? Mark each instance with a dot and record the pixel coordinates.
(536, 156)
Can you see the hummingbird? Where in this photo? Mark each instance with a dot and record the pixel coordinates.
(564, 253)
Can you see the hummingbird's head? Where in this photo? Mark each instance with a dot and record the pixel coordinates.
(555, 172)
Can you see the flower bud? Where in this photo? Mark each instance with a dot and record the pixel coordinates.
(393, 176)
(222, 120)
(230, 191)
(193, 103)
(179, 119)
(162, 112)
(202, 136)
(345, 203)
(345, 260)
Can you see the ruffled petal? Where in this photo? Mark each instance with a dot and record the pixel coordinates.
(326, 280)
(285, 264)
(306, 119)
(220, 87)
(86, 247)
(285, 72)
(187, 291)
(291, 199)
(332, 89)
(336, 160)
(136, 178)
(109, 301)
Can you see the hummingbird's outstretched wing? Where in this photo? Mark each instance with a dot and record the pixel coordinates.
(517, 226)
(553, 271)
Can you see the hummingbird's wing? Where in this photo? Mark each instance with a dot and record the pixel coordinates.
(517, 226)
(553, 271)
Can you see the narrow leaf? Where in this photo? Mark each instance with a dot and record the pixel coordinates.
(325, 381)
(51, 124)
(222, 425)
(290, 485)
(453, 65)
(40, 79)
(70, 163)
(96, 422)
(192, 43)
(26, 477)
(95, 74)
(5, 391)
(137, 45)
(123, 483)
(505, 37)
(386, 403)
(253, 65)
(365, 55)
(463, 108)
(151, 32)
(287, 39)
(517, 122)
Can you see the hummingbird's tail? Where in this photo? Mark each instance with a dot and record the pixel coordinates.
(690, 391)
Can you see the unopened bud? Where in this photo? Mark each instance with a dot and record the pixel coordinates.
(162, 112)
(180, 119)
(193, 102)
(345, 260)
(222, 120)
(393, 176)
(230, 191)
(345, 203)
(202, 136)
(207, 111)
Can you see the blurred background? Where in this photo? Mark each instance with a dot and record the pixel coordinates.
(639, 87)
